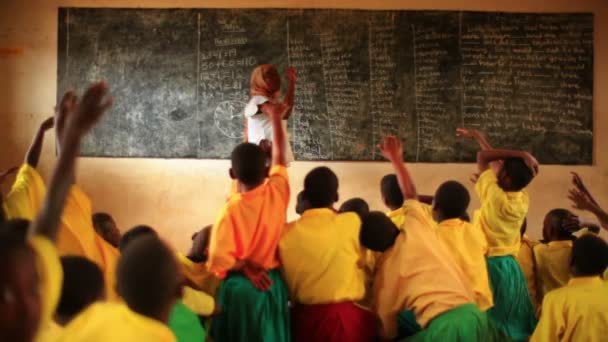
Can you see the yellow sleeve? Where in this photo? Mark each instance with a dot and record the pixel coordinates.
(199, 302)
(487, 180)
(51, 276)
(551, 325)
(279, 180)
(224, 244)
(26, 195)
(387, 301)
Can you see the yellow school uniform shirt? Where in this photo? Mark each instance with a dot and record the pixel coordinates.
(25, 198)
(250, 225)
(320, 255)
(49, 332)
(197, 273)
(576, 312)
(115, 322)
(468, 247)
(397, 216)
(419, 274)
(526, 261)
(501, 215)
(50, 275)
(198, 301)
(552, 265)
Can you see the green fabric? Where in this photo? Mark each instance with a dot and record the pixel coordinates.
(185, 324)
(407, 324)
(250, 315)
(465, 323)
(513, 311)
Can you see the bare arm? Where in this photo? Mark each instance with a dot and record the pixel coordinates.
(485, 157)
(291, 89)
(33, 154)
(481, 139)
(84, 117)
(392, 150)
(276, 112)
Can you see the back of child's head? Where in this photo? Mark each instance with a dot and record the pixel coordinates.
(82, 285)
(589, 256)
(356, 205)
(265, 80)
(518, 173)
(554, 228)
(135, 233)
(391, 192)
(200, 244)
(321, 187)
(105, 226)
(148, 278)
(302, 203)
(20, 302)
(248, 164)
(378, 233)
(451, 200)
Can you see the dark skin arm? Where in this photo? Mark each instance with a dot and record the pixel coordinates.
(33, 154)
(291, 89)
(392, 150)
(485, 157)
(84, 115)
(276, 112)
(481, 139)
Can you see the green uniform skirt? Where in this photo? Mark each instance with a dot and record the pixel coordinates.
(465, 323)
(185, 324)
(250, 315)
(513, 311)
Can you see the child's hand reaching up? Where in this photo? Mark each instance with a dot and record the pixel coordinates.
(391, 148)
(90, 109)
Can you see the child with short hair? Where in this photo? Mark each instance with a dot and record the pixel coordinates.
(417, 272)
(356, 205)
(247, 232)
(105, 226)
(320, 253)
(265, 87)
(392, 198)
(578, 311)
(504, 174)
(31, 279)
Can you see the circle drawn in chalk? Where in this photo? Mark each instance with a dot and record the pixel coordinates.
(229, 119)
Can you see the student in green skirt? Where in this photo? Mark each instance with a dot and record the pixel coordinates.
(504, 174)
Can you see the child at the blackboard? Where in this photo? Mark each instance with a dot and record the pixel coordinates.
(504, 203)
(266, 88)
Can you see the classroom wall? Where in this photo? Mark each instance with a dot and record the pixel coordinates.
(178, 196)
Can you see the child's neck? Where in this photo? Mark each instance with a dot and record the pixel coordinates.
(246, 188)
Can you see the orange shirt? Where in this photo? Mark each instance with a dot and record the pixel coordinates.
(250, 225)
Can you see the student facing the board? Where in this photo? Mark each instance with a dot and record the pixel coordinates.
(266, 87)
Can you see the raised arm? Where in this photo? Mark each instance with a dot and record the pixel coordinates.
(582, 200)
(82, 118)
(485, 157)
(392, 150)
(33, 154)
(291, 89)
(276, 112)
(474, 134)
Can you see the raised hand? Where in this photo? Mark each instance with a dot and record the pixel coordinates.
(391, 148)
(581, 201)
(47, 124)
(291, 74)
(67, 106)
(90, 109)
(577, 181)
(467, 133)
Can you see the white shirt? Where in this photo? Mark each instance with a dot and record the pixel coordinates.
(259, 125)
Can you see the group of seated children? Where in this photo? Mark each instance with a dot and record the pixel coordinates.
(421, 272)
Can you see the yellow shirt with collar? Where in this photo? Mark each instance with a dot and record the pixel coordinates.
(418, 274)
(576, 312)
(501, 215)
(526, 261)
(468, 247)
(321, 255)
(25, 198)
(552, 265)
(115, 322)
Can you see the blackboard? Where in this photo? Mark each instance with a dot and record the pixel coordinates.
(180, 80)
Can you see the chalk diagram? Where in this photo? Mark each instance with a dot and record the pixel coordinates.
(228, 118)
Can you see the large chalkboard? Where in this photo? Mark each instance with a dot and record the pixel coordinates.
(180, 80)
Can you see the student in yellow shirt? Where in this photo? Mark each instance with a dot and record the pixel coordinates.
(30, 283)
(149, 282)
(193, 264)
(504, 174)
(578, 311)
(244, 239)
(418, 273)
(525, 259)
(105, 226)
(320, 253)
(355, 205)
(392, 198)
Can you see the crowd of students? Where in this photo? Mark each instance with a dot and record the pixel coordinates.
(424, 271)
